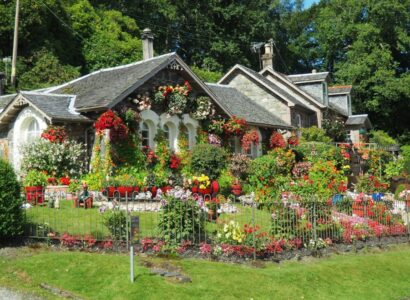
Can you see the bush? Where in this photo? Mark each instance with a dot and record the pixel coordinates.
(11, 215)
(382, 138)
(208, 159)
(181, 220)
(58, 159)
(116, 222)
(314, 152)
(314, 134)
(239, 164)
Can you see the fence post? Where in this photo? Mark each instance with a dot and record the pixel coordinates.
(314, 222)
(253, 231)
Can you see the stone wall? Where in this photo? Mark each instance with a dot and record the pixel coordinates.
(262, 96)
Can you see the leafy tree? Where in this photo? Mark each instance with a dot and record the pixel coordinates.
(44, 69)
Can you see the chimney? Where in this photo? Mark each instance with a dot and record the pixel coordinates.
(314, 71)
(267, 58)
(147, 44)
(2, 83)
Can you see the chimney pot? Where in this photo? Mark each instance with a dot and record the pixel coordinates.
(147, 44)
(267, 58)
(314, 71)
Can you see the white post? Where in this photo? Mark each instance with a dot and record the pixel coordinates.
(132, 263)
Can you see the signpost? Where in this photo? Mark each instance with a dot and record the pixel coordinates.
(134, 232)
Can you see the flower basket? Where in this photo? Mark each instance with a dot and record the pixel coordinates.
(34, 194)
(125, 191)
(206, 191)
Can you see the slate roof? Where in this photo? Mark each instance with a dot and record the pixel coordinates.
(240, 105)
(308, 77)
(282, 93)
(339, 89)
(357, 120)
(56, 107)
(6, 99)
(101, 88)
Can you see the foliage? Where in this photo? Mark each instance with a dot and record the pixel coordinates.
(95, 181)
(377, 161)
(231, 234)
(58, 159)
(314, 134)
(45, 69)
(225, 180)
(235, 126)
(301, 169)
(180, 220)
(335, 129)
(382, 138)
(35, 178)
(116, 222)
(371, 184)
(323, 181)
(205, 75)
(269, 174)
(313, 152)
(11, 214)
(208, 159)
(395, 167)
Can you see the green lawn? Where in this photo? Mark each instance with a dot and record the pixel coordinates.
(376, 275)
(80, 221)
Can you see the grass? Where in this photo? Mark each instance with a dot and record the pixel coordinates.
(374, 275)
(80, 221)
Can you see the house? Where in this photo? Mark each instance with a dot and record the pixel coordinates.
(78, 103)
(268, 100)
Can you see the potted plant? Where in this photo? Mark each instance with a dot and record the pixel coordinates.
(125, 185)
(203, 183)
(34, 183)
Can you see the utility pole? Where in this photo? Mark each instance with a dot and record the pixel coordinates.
(15, 42)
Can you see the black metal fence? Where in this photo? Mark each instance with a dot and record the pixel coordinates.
(105, 220)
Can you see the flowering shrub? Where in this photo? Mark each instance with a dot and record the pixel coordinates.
(301, 169)
(213, 139)
(249, 138)
(239, 164)
(276, 140)
(59, 159)
(232, 234)
(116, 222)
(174, 161)
(55, 134)
(371, 184)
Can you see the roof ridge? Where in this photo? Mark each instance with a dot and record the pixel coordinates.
(51, 89)
(305, 74)
(46, 94)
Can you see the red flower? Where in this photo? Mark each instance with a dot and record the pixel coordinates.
(174, 162)
(65, 180)
(276, 140)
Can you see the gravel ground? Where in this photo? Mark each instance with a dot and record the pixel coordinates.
(7, 294)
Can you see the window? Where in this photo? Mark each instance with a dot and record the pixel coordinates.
(298, 121)
(167, 135)
(33, 131)
(145, 135)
